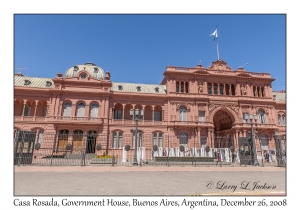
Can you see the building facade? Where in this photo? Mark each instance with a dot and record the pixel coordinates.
(192, 107)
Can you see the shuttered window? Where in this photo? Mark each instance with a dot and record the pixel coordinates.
(67, 109)
(94, 111)
(80, 110)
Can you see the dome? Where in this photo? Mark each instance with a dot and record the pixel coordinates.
(95, 72)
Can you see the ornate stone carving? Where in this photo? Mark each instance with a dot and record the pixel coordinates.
(220, 65)
(200, 87)
(243, 90)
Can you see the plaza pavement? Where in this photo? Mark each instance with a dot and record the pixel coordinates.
(147, 181)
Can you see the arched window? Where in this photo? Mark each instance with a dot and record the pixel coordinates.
(67, 109)
(182, 113)
(281, 120)
(157, 139)
(77, 140)
(262, 116)
(94, 111)
(62, 140)
(117, 140)
(91, 142)
(80, 111)
(183, 139)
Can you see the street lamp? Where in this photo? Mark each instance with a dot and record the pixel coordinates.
(136, 115)
(252, 118)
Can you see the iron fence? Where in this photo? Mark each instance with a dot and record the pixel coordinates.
(116, 149)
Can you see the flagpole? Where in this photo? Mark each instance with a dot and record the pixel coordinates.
(217, 44)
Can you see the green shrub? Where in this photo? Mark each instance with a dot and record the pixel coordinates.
(104, 156)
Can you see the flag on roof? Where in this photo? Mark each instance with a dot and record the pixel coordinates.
(215, 34)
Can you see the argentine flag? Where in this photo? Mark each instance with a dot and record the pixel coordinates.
(215, 34)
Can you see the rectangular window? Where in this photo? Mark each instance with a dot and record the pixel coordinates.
(157, 116)
(177, 87)
(118, 114)
(157, 139)
(209, 91)
(215, 90)
(182, 87)
(44, 111)
(114, 140)
(203, 142)
(283, 120)
(201, 116)
(221, 90)
(120, 140)
(160, 140)
(27, 111)
(155, 142)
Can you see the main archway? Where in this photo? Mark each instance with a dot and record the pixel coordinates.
(223, 122)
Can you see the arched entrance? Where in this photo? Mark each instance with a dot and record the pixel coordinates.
(223, 122)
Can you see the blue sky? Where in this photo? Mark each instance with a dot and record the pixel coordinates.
(137, 48)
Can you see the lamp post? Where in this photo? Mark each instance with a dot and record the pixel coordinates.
(136, 114)
(250, 119)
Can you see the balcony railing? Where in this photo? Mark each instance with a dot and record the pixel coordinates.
(260, 125)
(78, 119)
(141, 122)
(189, 123)
(29, 118)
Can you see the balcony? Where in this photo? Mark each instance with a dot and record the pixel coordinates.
(189, 123)
(29, 118)
(258, 125)
(77, 119)
(141, 122)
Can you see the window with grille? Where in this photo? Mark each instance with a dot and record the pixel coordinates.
(157, 139)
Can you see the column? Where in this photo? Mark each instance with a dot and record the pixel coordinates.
(236, 139)
(73, 111)
(199, 137)
(152, 114)
(212, 88)
(113, 114)
(36, 104)
(46, 115)
(256, 91)
(230, 89)
(87, 111)
(208, 138)
(218, 88)
(179, 86)
(24, 107)
(123, 113)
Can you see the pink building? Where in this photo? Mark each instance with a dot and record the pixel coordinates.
(192, 106)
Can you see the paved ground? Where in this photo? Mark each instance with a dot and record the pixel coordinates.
(114, 181)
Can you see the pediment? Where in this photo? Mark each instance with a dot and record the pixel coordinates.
(220, 65)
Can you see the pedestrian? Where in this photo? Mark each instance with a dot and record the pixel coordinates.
(218, 158)
(267, 156)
